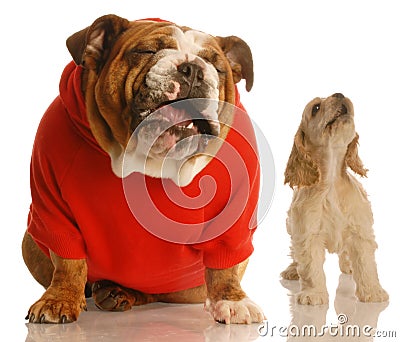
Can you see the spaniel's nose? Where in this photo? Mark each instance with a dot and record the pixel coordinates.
(338, 95)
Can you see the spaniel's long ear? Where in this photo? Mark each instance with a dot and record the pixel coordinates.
(353, 160)
(301, 170)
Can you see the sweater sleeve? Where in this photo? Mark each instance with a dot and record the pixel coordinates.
(233, 226)
(50, 221)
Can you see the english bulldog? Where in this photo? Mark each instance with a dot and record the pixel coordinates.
(146, 108)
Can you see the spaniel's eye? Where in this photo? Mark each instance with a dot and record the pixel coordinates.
(315, 109)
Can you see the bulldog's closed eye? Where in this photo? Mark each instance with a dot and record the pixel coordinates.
(214, 60)
(220, 70)
(315, 109)
(143, 51)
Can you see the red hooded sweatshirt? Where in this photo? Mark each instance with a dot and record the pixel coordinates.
(79, 208)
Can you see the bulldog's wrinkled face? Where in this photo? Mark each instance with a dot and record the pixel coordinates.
(182, 67)
(139, 80)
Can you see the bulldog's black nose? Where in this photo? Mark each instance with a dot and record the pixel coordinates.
(338, 95)
(192, 72)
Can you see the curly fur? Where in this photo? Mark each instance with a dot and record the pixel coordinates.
(330, 209)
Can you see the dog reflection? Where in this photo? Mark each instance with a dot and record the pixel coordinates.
(355, 320)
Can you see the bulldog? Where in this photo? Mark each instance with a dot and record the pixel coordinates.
(146, 108)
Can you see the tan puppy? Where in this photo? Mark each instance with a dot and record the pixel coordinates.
(330, 209)
(123, 72)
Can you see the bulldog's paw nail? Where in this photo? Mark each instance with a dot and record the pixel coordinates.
(95, 287)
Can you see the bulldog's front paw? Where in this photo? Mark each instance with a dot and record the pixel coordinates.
(312, 297)
(110, 296)
(244, 311)
(56, 308)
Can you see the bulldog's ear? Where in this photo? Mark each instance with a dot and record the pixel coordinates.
(240, 58)
(90, 47)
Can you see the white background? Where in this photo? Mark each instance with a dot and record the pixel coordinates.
(301, 49)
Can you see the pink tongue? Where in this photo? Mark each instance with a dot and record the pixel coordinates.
(177, 116)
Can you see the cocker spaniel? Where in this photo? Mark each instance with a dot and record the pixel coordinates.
(330, 209)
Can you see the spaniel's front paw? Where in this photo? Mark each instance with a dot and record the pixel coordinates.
(244, 311)
(373, 294)
(291, 272)
(312, 297)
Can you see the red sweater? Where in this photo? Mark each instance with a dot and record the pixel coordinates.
(79, 209)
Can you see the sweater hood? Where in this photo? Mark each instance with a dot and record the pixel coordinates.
(72, 98)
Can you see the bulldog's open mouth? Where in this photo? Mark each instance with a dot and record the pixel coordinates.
(178, 128)
(342, 111)
(188, 116)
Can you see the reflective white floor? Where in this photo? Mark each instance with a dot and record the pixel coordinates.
(166, 322)
(154, 322)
